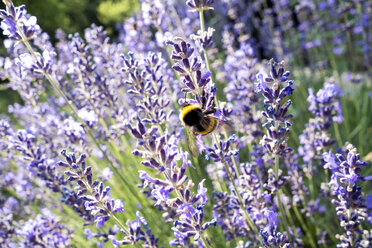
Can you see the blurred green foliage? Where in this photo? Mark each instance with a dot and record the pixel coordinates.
(70, 15)
(112, 12)
(75, 15)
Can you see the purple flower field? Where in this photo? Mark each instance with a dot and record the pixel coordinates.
(204, 123)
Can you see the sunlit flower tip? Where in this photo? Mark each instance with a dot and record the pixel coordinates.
(205, 39)
(141, 219)
(26, 61)
(118, 206)
(261, 82)
(73, 129)
(330, 161)
(8, 3)
(89, 116)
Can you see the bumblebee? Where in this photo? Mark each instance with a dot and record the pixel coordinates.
(198, 121)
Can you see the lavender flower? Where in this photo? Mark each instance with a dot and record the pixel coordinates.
(275, 182)
(270, 237)
(240, 74)
(257, 200)
(327, 110)
(16, 19)
(41, 65)
(44, 230)
(126, 105)
(136, 233)
(350, 203)
(278, 121)
(160, 150)
(8, 231)
(324, 104)
(98, 201)
(189, 67)
(297, 183)
(161, 153)
(223, 151)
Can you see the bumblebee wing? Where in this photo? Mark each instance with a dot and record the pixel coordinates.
(191, 142)
(226, 125)
(213, 123)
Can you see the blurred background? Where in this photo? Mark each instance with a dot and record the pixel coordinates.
(71, 16)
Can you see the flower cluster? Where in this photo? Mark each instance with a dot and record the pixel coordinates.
(189, 67)
(17, 24)
(327, 110)
(239, 71)
(350, 203)
(160, 151)
(98, 202)
(161, 154)
(270, 237)
(92, 192)
(275, 88)
(44, 230)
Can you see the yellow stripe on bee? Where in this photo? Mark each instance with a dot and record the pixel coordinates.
(187, 109)
(212, 125)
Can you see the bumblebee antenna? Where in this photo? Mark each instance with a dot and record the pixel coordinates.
(185, 96)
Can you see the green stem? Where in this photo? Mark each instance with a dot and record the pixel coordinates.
(338, 135)
(293, 226)
(202, 29)
(306, 230)
(276, 168)
(207, 62)
(311, 181)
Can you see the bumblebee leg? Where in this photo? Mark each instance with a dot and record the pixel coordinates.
(194, 130)
(210, 111)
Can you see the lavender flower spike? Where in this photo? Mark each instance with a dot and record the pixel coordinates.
(17, 16)
(97, 200)
(350, 203)
(275, 88)
(270, 237)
